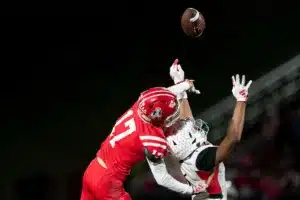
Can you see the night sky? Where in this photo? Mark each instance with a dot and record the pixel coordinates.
(65, 78)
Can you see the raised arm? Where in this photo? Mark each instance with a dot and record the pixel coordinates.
(235, 129)
(185, 109)
(211, 156)
(177, 74)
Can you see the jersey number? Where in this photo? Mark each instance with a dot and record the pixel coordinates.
(129, 126)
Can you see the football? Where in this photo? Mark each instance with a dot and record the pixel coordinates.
(192, 23)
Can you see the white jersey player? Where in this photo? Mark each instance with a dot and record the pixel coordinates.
(186, 140)
(201, 162)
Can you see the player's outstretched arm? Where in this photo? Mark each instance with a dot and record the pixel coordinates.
(163, 178)
(235, 129)
(234, 132)
(177, 74)
(155, 148)
(211, 156)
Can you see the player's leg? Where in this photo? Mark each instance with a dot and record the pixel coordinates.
(86, 192)
(96, 182)
(110, 189)
(100, 183)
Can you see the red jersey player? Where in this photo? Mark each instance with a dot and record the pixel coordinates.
(136, 134)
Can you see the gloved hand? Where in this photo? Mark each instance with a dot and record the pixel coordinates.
(176, 72)
(199, 188)
(239, 89)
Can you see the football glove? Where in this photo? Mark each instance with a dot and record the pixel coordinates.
(239, 89)
(199, 188)
(177, 74)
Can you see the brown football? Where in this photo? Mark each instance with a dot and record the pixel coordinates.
(192, 22)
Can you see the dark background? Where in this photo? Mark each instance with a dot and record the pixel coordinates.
(67, 75)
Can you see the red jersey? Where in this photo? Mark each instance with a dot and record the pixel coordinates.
(124, 147)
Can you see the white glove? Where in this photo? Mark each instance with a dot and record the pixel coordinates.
(199, 188)
(176, 72)
(239, 90)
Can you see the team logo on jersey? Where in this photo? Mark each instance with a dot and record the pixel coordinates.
(156, 114)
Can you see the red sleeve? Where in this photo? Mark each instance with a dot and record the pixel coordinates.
(156, 144)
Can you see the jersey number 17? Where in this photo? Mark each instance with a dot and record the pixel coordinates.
(128, 124)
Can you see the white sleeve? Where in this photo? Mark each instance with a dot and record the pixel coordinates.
(163, 178)
(179, 88)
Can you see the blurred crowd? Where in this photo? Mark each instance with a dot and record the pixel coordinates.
(263, 166)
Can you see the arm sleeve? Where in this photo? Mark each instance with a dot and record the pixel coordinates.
(205, 160)
(179, 88)
(163, 178)
(155, 148)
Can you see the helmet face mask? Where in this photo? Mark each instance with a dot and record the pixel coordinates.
(201, 127)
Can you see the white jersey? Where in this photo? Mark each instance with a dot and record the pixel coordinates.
(184, 138)
(186, 141)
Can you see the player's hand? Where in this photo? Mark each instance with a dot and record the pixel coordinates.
(239, 89)
(199, 188)
(176, 72)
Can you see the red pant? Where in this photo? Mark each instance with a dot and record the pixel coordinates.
(100, 184)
